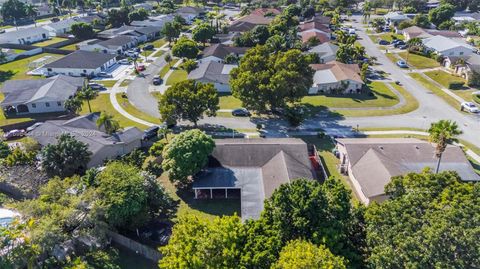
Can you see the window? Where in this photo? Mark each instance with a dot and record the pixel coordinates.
(34, 105)
(461, 52)
(47, 104)
(59, 103)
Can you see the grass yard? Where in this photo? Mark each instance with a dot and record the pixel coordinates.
(18, 69)
(127, 106)
(158, 53)
(227, 101)
(125, 83)
(106, 83)
(418, 61)
(390, 36)
(70, 47)
(102, 103)
(443, 77)
(204, 209)
(392, 56)
(383, 97)
(427, 84)
(49, 42)
(176, 76)
(159, 43)
(466, 95)
(411, 105)
(167, 67)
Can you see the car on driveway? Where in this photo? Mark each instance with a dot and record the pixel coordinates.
(33, 126)
(124, 61)
(148, 47)
(140, 67)
(14, 134)
(469, 107)
(403, 47)
(383, 42)
(104, 75)
(241, 112)
(157, 80)
(402, 64)
(96, 86)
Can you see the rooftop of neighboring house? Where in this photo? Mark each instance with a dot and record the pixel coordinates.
(82, 60)
(115, 42)
(374, 161)
(212, 71)
(335, 71)
(415, 31)
(12, 36)
(221, 51)
(319, 19)
(266, 11)
(190, 10)
(395, 16)
(253, 19)
(440, 43)
(157, 21)
(314, 25)
(62, 24)
(129, 30)
(257, 166)
(325, 49)
(59, 87)
(227, 39)
(307, 35)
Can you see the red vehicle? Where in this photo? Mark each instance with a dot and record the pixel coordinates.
(140, 67)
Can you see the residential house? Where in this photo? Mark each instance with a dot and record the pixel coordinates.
(39, 95)
(190, 13)
(266, 12)
(447, 47)
(466, 66)
(141, 34)
(248, 22)
(84, 128)
(336, 77)
(116, 45)
(227, 39)
(60, 28)
(326, 52)
(213, 72)
(157, 21)
(415, 31)
(316, 28)
(395, 17)
(218, 52)
(370, 163)
(252, 169)
(44, 10)
(80, 64)
(24, 36)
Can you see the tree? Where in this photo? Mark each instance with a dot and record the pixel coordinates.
(405, 24)
(265, 80)
(180, 20)
(138, 15)
(305, 255)
(442, 13)
(74, 105)
(429, 221)
(443, 133)
(170, 32)
(4, 150)
(260, 34)
(189, 65)
(31, 12)
(168, 59)
(185, 48)
(87, 94)
(13, 10)
(421, 20)
(117, 17)
(203, 32)
(65, 158)
(198, 243)
(188, 100)
(108, 122)
(186, 155)
(82, 30)
(231, 58)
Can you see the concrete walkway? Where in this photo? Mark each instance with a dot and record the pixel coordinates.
(447, 91)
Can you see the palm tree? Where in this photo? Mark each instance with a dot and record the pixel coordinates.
(108, 122)
(74, 105)
(442, 133)
(31, 12)
(168, 59)
(87, 94)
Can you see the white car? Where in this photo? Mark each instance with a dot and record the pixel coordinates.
(469, 107)
(124, 61)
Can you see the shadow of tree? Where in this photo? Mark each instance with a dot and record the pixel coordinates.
(6, 75)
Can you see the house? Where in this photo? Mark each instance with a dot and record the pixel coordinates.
(141, 34)
(251, 169)
(227, 39)
(415, 31)
(60, 28)
(370, 163)
(319, 19)
(116, 45)
(248, 22)
(395, 17)
(317, 28)
(213, 72)
(307, 36)
(24, 36)
(84, 129)
(447, 47)
(190, 13)
(266, 12)
(218, 52)
(466, 67)
(80, 64)
(44, 10)
(336, 77)
(326, 52)
(39, 95)
(157, 21)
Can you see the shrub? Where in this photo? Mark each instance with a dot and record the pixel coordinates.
(455, 85)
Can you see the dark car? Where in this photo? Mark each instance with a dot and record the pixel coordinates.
(150, 133)
(148, 47)
(398, 44)
(96, 87)
(241, 112)
(383, 42)
(157, 80)
(403, 47)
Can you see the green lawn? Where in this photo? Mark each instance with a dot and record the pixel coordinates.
(106, 83)
(125, 83)
(166, 68)
(466, 95)
(158, 53)
(392, 56)
(127, 106)
(427, 84)
(159, 43)
(383, 97)
(227, 101)
(176, 76)
(418, 61)
(102, 103)
(443, 77)
(51, 41)
(205, 209)
(389, 36)
(70, 47)
(18, 69)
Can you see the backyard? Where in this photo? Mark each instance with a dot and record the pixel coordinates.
(49, 42)
(18, 69)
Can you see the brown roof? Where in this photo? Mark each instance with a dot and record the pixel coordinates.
(444, 33)
(320, 19)
(314, 25)
(322, 37)
(415, 31)
(254, 19)
(340, 70)
(221, 51)
(265, 11)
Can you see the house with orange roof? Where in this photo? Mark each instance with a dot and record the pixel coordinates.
(336, 77)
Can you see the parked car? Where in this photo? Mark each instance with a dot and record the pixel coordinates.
(96, 86)
(403, 47)
(398, 44)
(148, 47)
(140, 67)
(150, 133)
(402, 64)
(386, 29)
(104, 75)
(33, 126)
(383, 42)
(55, 19)
(14, 133)
(136, 50)
(124, 61)
(157, 80)
(469, 107)
(241, 112)
(2, 31)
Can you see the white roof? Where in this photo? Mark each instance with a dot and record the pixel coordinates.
(395, 16)
(324, 76)
(441, 43)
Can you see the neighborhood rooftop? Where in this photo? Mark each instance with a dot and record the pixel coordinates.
(82, 60)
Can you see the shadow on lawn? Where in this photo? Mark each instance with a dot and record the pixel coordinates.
(6, 75)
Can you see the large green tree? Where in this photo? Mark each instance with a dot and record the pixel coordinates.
(82, 30)
(188, 100)
(4, 150)
(430, 221)
(138, 15)
(108, 122)
(87, 94)
(186, 154)
(185, 48)
(13, 10)
(442, 13)
(265, 80)
(65, 158)
(202, 33)
(170, 31)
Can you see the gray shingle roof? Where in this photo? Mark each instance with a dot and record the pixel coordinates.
(211, 71)
(221, 51)
(82, 59)
(116, 42)
(325, 49)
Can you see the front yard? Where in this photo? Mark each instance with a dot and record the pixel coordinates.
(417, 61)
(132, 110)
(176, 76)
(436, 90)
(443, 77)
(227, 101)
(18, 69)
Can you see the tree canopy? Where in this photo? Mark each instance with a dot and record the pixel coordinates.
(13, 10)
(82, 30)
(171, 31)
(441, 14)
(185, 48)
(202, 33)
